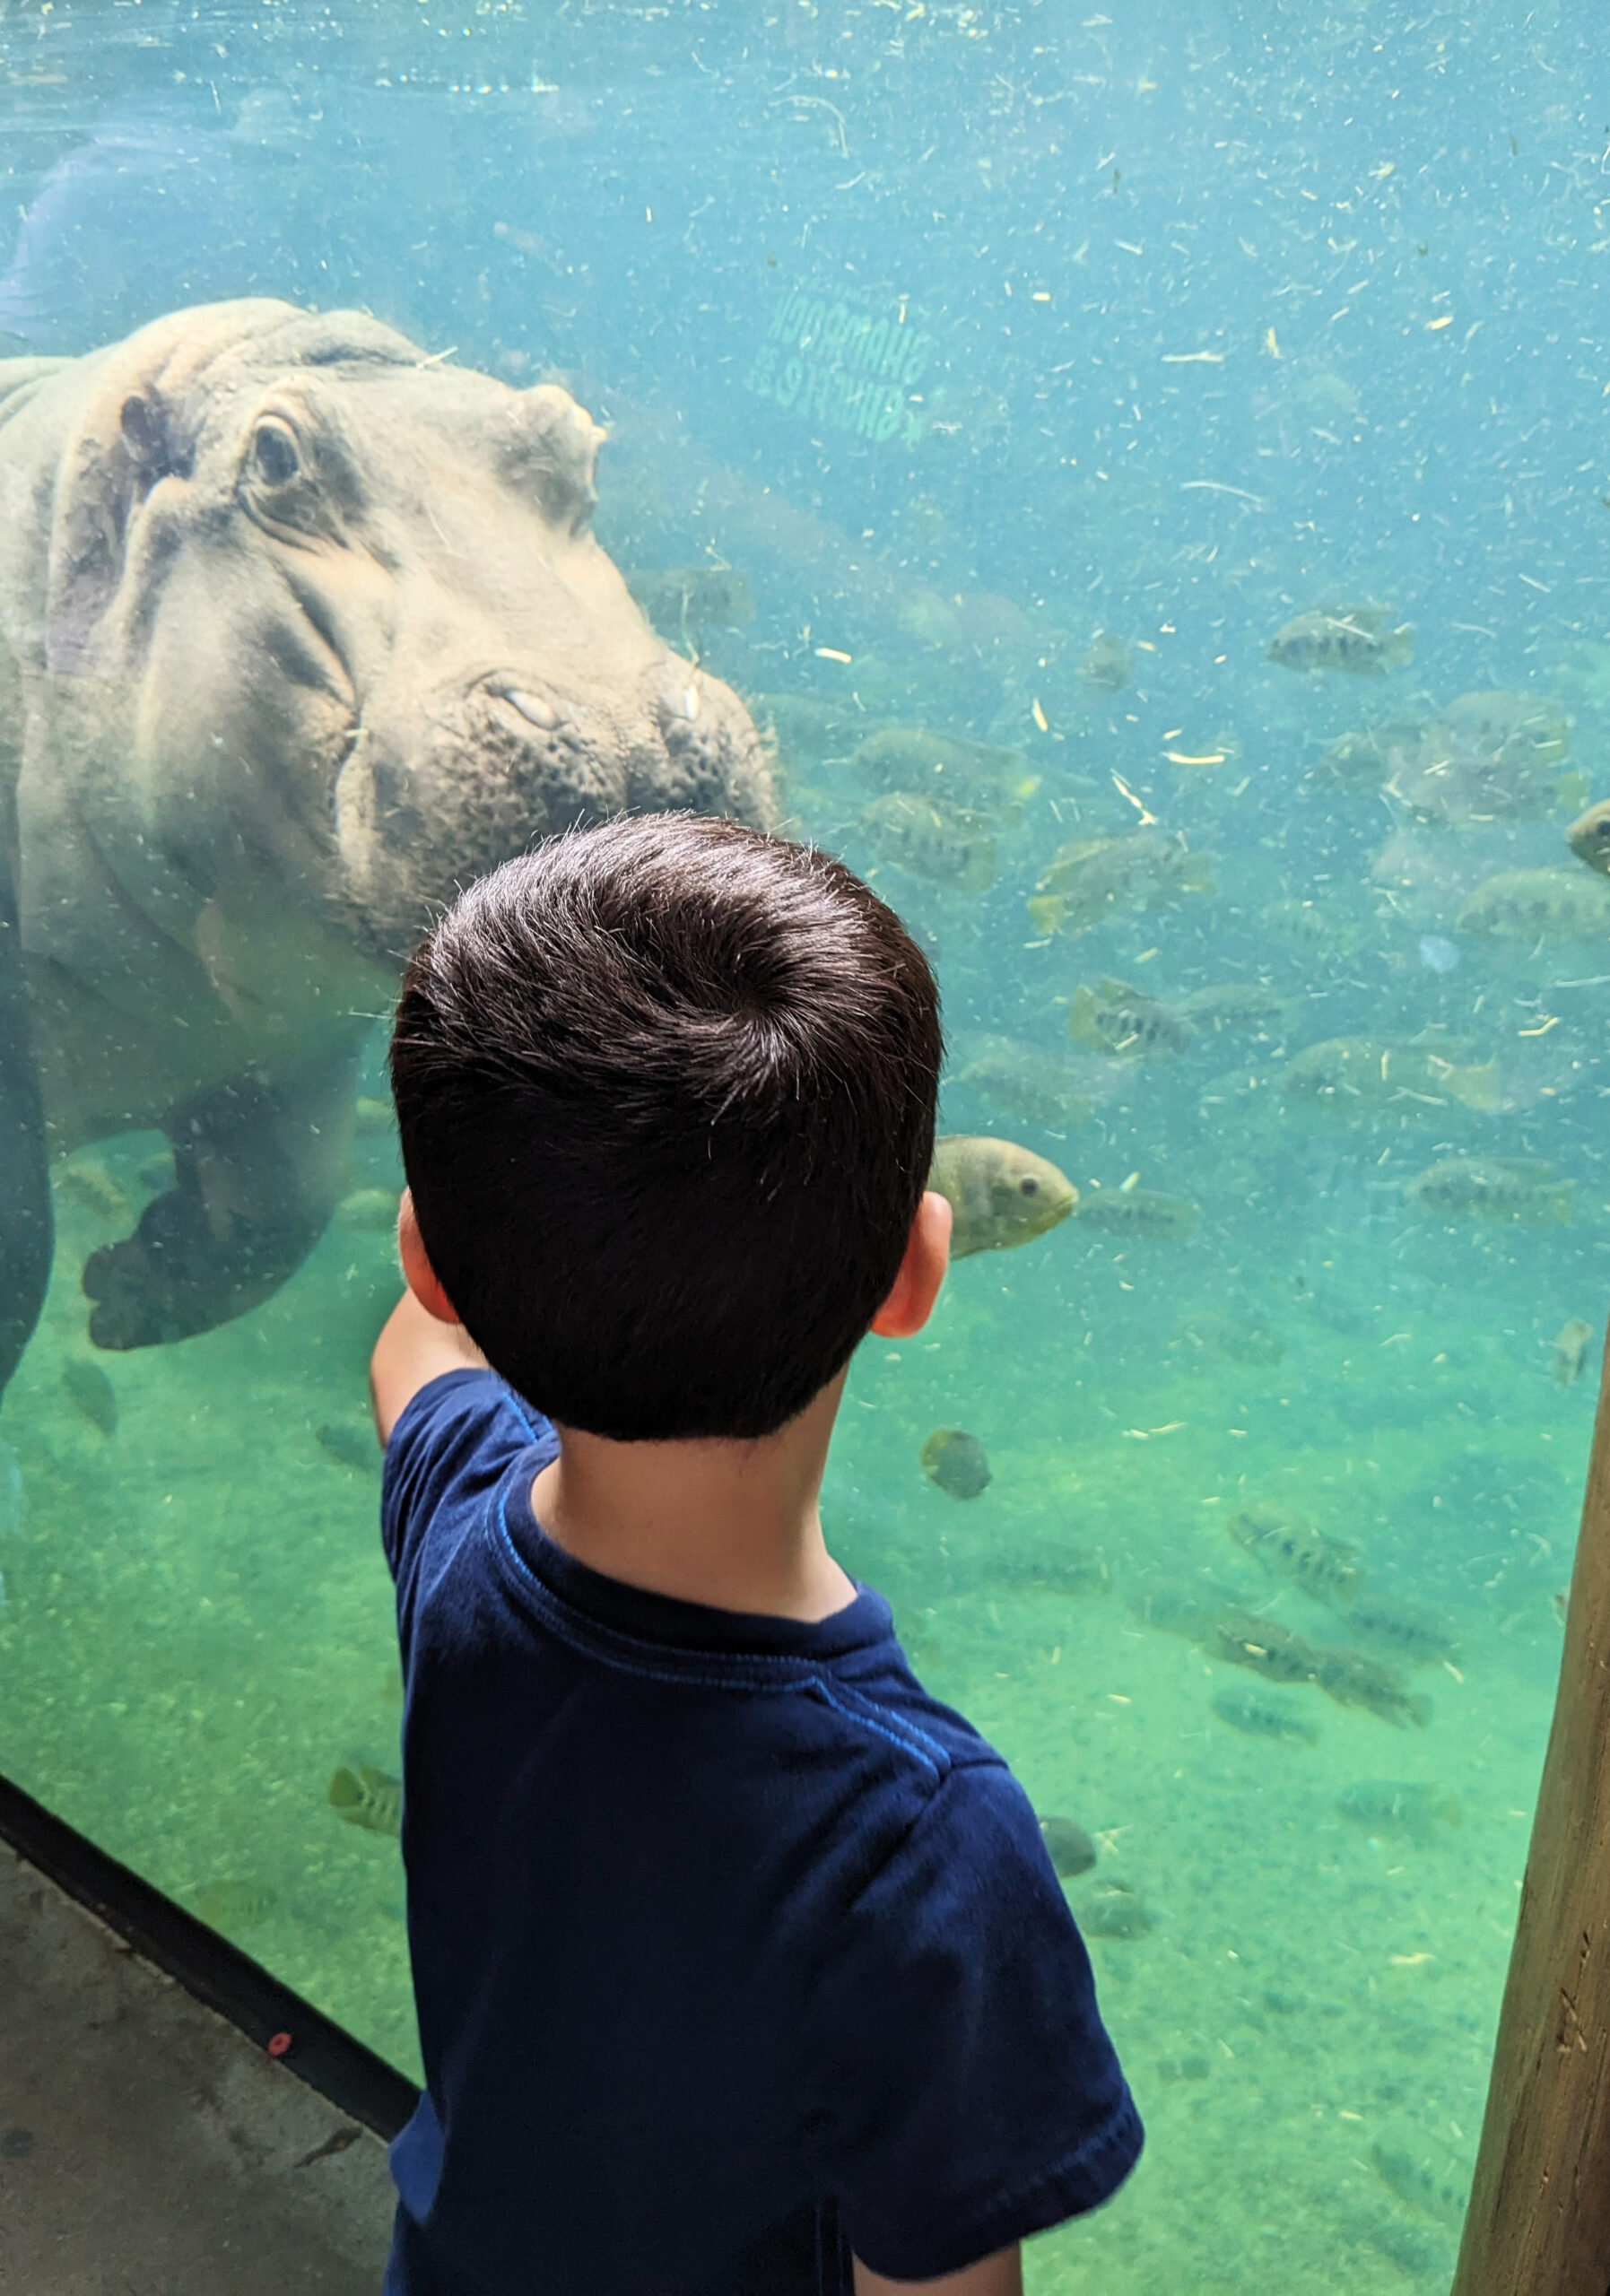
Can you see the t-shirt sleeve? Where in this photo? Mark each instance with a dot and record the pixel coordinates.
(968, 2095)
(452, 1442)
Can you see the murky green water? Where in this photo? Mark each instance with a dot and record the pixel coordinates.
(1014, 378)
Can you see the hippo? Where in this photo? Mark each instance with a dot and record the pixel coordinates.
(299, 631)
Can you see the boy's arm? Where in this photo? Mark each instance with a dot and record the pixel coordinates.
(414, 1348)
(1001, 2275)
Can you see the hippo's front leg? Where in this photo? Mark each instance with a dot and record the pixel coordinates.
(257, 1169)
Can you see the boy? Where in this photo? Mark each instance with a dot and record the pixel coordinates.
(734, 1952)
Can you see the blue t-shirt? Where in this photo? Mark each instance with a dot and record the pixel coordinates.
(732, 1949)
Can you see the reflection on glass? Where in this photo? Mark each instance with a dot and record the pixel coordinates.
(1133, 475)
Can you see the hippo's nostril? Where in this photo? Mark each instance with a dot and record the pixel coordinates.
(531, 706)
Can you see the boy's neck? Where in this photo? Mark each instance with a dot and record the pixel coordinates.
(733, 1525)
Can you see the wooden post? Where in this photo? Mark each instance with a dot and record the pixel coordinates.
(1539, 2218)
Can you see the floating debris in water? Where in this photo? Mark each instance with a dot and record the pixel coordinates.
(1436, 954)
(1000, 1194)
(1260, 1717)
(1491, 1187)
(1358, 641)
(1069, 1848)
(87, 1183)
(1571, 1350)
(956, 1461)
(350, 1442)
(1137, 1212)
(368, 1797)
(1113, 1909)
(1390, 1806)
(91, 1393)
(372, 1209)
(1328, 1569)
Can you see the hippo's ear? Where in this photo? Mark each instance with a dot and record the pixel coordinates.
(551, 450)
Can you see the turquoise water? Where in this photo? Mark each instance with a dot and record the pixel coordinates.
(1010, 377)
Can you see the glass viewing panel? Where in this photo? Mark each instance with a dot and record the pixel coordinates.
(1145, 474)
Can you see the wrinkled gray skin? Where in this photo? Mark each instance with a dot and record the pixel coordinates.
(299, 631)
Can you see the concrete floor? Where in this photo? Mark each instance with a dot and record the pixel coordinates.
(148, 2149)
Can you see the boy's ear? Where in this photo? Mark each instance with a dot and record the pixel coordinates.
(418, 1273)
(910, 1301)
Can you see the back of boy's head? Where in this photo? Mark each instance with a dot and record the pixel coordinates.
(665, 1090)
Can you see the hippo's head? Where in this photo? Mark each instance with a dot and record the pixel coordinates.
(370, 646)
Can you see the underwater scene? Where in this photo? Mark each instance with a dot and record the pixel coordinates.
(1136, 485)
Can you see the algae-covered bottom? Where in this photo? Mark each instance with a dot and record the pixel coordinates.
(1300, 1908)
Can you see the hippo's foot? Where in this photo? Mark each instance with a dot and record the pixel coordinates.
(173, 1277)
(255, 1167)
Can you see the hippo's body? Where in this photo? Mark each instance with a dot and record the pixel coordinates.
(299, 631)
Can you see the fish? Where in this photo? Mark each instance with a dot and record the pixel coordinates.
(1440, 2192)
(1000, 1194)
(1588, 837)
(348, 1444)
(679, 599)
(368, 1797)
(1232, 1004)
(1108, 663)
(374, 1210)
(1242, 1639)
(1315, 927)
(91, 1393)
(1256, 1718)
(956, 1461)
(964, 772)
(1051, 1569)
(1069, 1848)
(1127, 1024)
(1135, 1212)
(1413, 1636)
(1239, 1338)
(1113, 1909)
(1486, 757)
(1571, 1350)
(1098, 878)
(1026, 1081)
(809, 726)
(1355, 1077)
(1351, 1679)
(1539, 905)
(1328, 1569)
(88, 1184)
(1389, 1806)
(1364, 759)
(232, 1903)
(371, 1117)
(1491, 1187)
(930, 839)
(1357, 640)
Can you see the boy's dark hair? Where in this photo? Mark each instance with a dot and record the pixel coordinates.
(667, 1090)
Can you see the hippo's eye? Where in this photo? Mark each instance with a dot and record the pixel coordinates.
(1028, 1186)
(274, 451)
